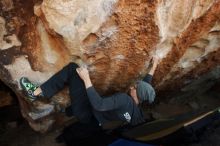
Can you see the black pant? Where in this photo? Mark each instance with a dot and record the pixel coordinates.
(80, 105)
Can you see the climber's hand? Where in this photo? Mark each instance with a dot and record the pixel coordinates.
(84, 75)
(155, 60)
(153, 63)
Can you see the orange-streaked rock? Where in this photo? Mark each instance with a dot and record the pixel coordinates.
(115, 38)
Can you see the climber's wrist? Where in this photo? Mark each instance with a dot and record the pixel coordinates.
(87, 83)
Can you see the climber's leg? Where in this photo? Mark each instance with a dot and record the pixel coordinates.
(80, 105)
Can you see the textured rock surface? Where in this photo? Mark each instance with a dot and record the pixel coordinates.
(115, 38)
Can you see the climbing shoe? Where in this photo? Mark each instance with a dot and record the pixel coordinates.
(29, 88)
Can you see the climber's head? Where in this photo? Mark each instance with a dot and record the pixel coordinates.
(142, 91)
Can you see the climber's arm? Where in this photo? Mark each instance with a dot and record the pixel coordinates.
(149, 76)
(97, 102)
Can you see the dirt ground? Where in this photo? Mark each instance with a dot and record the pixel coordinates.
(23, 135)
(19, 133)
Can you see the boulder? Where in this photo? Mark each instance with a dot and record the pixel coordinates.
(116, 39)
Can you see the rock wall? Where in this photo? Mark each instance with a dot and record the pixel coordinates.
(114, 38)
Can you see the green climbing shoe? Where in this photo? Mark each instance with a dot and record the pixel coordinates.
(29, 88)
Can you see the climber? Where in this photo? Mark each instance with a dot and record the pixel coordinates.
(86, 104)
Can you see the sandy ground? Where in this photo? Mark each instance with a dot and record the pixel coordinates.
(13, 134)
(23, 135)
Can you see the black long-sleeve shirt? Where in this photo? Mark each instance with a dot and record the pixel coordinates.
(118, 107)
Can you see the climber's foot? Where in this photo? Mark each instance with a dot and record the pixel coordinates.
(29, 88)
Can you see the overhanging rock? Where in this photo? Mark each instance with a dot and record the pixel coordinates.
(115, 38)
